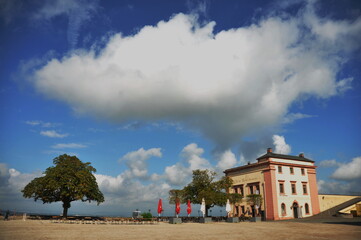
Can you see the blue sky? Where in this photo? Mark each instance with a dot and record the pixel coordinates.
(148, 91)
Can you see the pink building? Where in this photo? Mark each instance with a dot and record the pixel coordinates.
(287, 184)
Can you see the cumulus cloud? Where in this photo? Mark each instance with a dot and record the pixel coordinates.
(18, 180)
(227, 160)
(13, 181)
(129, 192)
(339, 187)
(349, 171)
(53, 134)
(281, 146)
(250, 150)
(177, 174)
(134, 185)
(181, 172)
(192, 154)
(136, 160)
(345, 179)
(68, 145)
(182, 71)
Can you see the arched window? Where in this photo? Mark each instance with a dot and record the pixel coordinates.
(307, 209)
(283, 209)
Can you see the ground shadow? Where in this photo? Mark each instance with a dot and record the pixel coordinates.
(346, 223)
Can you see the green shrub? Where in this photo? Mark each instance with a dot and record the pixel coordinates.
(146, 215)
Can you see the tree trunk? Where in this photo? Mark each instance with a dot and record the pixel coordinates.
(66, 206)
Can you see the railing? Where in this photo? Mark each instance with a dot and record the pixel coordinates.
(123, 220)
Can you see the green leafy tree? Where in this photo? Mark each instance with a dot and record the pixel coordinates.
(255, 200)
(69, 180)
(175, 195)
(205, 186)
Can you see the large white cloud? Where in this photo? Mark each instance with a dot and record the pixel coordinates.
(12, 182)
(347, 176)
(227, 160)
(339, 187)
(349, 171)
(136, 160)
(223, 84)
(281, 146)
(181, 172)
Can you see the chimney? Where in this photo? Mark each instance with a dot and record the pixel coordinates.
(301, 155)
(269, 150)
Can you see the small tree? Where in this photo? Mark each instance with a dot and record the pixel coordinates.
(255, 200)
(175, 195)
(69, 180)
(147, 215)
(205, 186)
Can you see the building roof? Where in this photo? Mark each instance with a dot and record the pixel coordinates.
(250, 165)
(269, 154)
(282, 156)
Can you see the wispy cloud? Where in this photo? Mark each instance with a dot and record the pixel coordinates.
(68, 145)
(53, 134)
(291, 117)
(77, 11)
(329, 163)
(42, 123)
(9, 10)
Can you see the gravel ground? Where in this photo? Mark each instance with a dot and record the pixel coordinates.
(37, 229)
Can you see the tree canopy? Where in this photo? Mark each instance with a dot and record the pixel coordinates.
(205, 186)
(255, 200)
(69, 180)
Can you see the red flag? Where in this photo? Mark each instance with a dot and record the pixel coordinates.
(189, 207)
(160, 206)
(177, 206)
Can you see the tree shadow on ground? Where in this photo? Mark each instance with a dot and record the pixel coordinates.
(346, 223)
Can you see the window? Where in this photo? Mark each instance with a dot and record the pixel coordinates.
(242, 208)
(279, 169)
(238, 189)
(282, 188)
(304, 187)
(307, 209)
(291, 170)
(283, 209)
(250, 189)
(293, 187)
(254, 188)
(302, 171)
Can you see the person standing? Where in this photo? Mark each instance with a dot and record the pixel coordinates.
(6, 217)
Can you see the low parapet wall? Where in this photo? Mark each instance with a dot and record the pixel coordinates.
(328, 201)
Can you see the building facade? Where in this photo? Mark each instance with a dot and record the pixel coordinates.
(286, 183)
